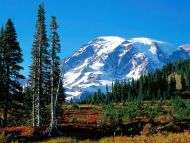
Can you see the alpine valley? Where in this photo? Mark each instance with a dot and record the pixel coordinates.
(106, 59)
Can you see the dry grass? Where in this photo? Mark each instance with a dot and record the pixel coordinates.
(164, 118)
(157, 138)
(67, 140)
(146, 129)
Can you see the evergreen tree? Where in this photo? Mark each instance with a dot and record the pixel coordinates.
(12, 57)
(160, 84)
(55, 71)
(171, 86)
(40, 69)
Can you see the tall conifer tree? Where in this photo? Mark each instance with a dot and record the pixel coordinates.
(12, 57)
(55, 70)
(40, 68)
(57, 90)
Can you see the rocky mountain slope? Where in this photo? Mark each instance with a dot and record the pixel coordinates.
(105, 59)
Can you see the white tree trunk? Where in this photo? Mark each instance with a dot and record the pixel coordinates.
(54, 98)
(52, 123)
(39, 74)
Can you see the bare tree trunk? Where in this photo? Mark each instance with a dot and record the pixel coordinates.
(54, 98)
(39, 81)
(57, 92)
(34, 86)
(52, 124)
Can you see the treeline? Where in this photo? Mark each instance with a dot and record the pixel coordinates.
(39, 103)
(160, 84)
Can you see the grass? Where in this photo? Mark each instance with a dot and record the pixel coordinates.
(157, 138)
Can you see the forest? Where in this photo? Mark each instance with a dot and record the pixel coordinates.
(172, 81)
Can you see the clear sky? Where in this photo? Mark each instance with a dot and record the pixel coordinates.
(83, 20)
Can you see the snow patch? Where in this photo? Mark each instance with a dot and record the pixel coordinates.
(97, 66)
(109, 58)
(144, 40)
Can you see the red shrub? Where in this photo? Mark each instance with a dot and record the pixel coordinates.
(91, 120)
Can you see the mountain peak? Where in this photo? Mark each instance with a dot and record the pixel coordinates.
(107, 58)
(144, 40)
(111, 38)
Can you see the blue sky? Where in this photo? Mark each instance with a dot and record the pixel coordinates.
(82, 20)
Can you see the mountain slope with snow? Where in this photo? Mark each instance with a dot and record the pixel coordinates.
(105, 59)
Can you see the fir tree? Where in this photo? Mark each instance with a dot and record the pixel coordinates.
(55, 72)
(40, 68)
(171, 86)
(12, 57)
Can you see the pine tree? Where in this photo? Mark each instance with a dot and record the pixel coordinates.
(12, 57)
(40, 68)
(171, 86)
(55, 72)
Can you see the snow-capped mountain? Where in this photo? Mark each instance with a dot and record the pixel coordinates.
(105, 59)
(186, 48)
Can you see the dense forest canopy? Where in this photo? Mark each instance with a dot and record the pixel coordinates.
(166, 83)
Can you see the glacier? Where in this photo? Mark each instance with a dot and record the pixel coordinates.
(108, 58)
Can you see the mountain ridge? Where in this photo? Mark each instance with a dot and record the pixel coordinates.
(105, 59)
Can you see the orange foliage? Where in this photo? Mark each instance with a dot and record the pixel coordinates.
(146, 129)
(23, 130)
(164, 118)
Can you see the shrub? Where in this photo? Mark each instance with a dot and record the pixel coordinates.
(75, 107)
(27, 132)
(118, 115)
(147, 129)
(178, 103)
(91, 120)
(164, 118)
(74, 119)
(180, 109)
(2, 138)
(156, 110)
(112, 115)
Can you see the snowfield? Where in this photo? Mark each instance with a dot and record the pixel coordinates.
(105, 59)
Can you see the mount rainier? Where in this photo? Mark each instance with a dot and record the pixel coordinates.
(105, 59)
